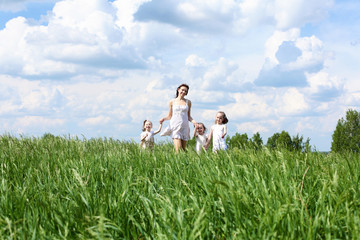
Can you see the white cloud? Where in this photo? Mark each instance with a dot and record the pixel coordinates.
(36, 124)
(252, 127)
(289, 58)
(248, 106)
(296, 13)
(293, 103)
(220, 75)
(99, 120)
(195, 61)
(323, 87)
(69, 43)
(12, 5)
(273, 43)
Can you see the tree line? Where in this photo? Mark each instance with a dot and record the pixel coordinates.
(346, 137)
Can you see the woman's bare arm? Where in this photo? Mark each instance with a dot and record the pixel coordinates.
(189, 114)
(168, 117)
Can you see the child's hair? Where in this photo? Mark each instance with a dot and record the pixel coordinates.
(182, 85)
(143, 128)
(225, 120)
(202, 125)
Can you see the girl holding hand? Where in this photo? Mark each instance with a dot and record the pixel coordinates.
(218, 132)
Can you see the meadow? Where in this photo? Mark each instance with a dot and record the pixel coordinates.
(76, 188)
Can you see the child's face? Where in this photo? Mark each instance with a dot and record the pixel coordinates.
(219, 118)
(148, 125)
(200, 129)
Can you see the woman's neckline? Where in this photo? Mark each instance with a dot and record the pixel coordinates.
(177, 102)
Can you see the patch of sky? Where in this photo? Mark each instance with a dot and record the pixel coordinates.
(309, 30)
(33, 11)
(288, 52)
(345, 12)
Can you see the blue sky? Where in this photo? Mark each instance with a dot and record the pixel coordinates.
(99, 71)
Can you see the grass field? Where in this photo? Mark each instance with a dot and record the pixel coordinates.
(70, 188)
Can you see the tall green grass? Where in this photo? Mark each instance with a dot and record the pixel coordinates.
(71, 188)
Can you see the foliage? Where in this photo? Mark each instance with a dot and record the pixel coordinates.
(71, 188)
(241, 141)
(346, 136)
(284, 141)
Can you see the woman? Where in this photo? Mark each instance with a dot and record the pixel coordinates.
(179, 116)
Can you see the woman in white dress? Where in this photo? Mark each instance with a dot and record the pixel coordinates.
(179, 116)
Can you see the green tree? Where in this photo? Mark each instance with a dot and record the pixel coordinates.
(346, 136)
(257, 141)
(240, 141)
(271, 142)
(299, 145)
(284, 141)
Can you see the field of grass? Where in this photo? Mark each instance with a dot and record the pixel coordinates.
(70, 188)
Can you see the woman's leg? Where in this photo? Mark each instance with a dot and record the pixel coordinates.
(183, 144)
(177, 144)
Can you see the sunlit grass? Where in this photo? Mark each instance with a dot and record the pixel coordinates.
(71, 188)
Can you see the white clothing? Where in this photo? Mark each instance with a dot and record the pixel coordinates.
(200, 142)
(219, 143)
(179, 123)
(148, 142)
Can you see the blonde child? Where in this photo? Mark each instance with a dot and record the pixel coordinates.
(200, 137)
(147, 136)
(218, 132)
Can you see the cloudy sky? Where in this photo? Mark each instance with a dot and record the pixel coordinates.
(98, 68)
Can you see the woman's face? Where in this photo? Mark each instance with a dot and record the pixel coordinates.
(183, 91)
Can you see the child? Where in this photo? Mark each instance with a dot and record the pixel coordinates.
(218, 132)
(200, 136)
(147, 136)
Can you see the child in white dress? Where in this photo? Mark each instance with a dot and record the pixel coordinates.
(147, 136)
(200, 137)
(218, 132)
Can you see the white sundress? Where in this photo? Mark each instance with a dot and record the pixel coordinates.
(200, 142)
(148, 141)
(179, 123)
(219, 143)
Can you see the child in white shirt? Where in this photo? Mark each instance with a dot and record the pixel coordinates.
(147, 136)
(201, 137)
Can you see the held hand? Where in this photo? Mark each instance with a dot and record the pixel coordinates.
(162, 120)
